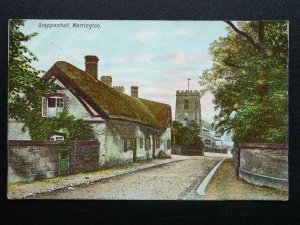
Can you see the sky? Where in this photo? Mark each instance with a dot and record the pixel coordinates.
(157, 56)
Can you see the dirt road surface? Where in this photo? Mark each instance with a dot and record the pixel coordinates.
(170, 181)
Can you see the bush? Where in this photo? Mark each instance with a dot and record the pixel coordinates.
(187, 136)
(162, 155)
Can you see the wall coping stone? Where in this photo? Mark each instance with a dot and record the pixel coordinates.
(92, 142)
(271, 146)
(31, 143)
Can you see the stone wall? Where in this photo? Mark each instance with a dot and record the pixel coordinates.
(176, 150)
(181, 150)
(30, 160)
(263, 164)
(84, 156)
(215, 150)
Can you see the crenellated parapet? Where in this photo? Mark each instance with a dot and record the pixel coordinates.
(187, 93)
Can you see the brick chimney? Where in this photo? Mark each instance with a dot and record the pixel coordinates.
(135, 91)
(91, 65)
(107, 80)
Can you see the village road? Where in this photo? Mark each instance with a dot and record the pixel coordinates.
(170, 181)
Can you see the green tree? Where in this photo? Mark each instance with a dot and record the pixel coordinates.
(188, 136)
(25, 85)
(249, 81)
(26, 90)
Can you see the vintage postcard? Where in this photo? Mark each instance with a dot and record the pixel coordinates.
(148, 110)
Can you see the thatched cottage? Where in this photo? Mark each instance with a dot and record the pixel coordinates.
(128, 128)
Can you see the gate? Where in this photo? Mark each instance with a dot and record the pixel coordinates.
(64, 159)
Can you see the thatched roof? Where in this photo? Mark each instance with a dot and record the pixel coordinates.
(108, 102)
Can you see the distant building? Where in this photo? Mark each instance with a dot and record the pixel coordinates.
(218, 141)
(212, 139)
(207, 138)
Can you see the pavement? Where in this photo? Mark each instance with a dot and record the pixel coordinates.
(221, 155)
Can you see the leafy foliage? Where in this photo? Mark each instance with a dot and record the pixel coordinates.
(26, 90)
(40, 128)
(249, 80)
(188, 136)
(25, 86)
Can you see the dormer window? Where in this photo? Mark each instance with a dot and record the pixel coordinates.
(52, 106)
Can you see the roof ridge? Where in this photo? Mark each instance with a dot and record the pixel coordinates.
(114, 103)
(61, 61)
(161, 103)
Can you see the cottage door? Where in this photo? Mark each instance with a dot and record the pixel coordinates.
(153, 147)
(134, 149)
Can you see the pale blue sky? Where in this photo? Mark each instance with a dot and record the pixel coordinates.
(157, 56)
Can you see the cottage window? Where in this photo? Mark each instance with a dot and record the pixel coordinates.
(148, 144)
(56, 138)
(52, 106)
(51, 102)
(141, 143)
(59, 102)
(129, 144)
(168, 144)
(157, 142)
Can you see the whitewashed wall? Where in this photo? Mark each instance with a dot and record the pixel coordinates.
(15, 131)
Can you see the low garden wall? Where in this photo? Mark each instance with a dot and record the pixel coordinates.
(216, 150)
(84, 156)
(30, 160)
(181, 150)
(263, 164)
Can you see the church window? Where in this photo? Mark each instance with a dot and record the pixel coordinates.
(186, 104)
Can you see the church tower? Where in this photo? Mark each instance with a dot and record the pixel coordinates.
(188, 106)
